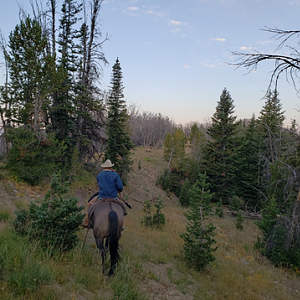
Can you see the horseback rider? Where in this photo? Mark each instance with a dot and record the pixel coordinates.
(110, 185)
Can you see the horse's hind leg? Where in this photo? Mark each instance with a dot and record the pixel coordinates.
(99, 243)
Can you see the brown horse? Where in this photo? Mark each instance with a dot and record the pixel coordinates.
(106, 219)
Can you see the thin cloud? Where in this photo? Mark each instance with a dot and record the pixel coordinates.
(176, 23)
(263, 42)
(219, 39)
(245, 48)
(189, 67)
(215, 66)
(295, 2)
(176, 30)
(156, 13)
(133, 8)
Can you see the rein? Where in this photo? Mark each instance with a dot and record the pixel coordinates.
(85, 239)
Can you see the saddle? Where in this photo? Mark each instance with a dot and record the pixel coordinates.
(123, 206)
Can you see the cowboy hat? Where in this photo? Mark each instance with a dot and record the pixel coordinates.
(107, 164)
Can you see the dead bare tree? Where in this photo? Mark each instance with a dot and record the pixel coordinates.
(284, 64)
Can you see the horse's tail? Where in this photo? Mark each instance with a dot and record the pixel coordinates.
(113, 240)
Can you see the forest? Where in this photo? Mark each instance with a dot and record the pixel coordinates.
(55, 118)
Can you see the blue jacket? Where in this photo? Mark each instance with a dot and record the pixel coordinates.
(109, 184)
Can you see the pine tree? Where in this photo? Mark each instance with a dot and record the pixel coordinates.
(278, 171)
(119, 144)
(199, 238)
(249, 168)
(219, 153)
(184, 197)
(55, 221)
(89, 108)
(30, 79)
(271, 120)
(64, 103)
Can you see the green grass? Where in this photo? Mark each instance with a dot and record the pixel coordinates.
(23, 265)
(4, 215)
(124, 283)
(149, 159)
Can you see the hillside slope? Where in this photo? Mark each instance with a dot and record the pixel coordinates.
(239, 271)
(152, 266)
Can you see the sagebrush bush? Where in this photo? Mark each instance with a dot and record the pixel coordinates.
(55, 221)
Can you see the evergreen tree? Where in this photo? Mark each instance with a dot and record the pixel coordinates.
(55, 221)
(119, 144)
(64, 104)
(277, 154)
(199, 238)
(249, 187)
(56, 92)
(184, 196)
(30, 79)
(219, 153)
(89, 108)
(271, 120)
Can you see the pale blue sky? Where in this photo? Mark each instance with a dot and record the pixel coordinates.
(174, 54)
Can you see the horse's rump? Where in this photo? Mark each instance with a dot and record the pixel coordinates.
(95, 203)
(99, 215)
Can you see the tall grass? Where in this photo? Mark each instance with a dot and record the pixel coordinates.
(23, 266)
(4, 215)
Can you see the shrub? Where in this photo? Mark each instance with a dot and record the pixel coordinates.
(235, 203)
(158, 219)
(33, 158)
(55, 221)
(147, 210)
(280, 241)
(239, 221)
(219, 209)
